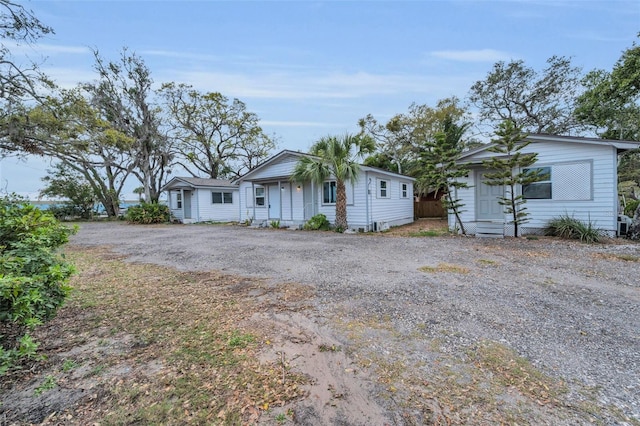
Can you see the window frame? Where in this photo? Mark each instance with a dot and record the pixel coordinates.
(179, 200)
(387, 188)
(332, 184)
(404, 190)
(542, 183)
(256, 197)
(225, 197)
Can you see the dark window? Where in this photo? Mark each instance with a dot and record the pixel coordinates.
(329, 192)
(538, 190)
(259, 196)
(221, 197)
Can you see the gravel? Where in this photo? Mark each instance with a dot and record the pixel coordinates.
(571, 309)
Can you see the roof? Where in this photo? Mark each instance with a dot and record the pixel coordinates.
(195, 182)
(287, 152)
(620, 145)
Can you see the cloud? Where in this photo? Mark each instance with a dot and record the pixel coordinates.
(316, 86)
(45, 49)
(481, 55)
(179, 55)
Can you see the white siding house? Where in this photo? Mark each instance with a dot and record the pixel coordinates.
(582, 184)
(202, 200)
(377, 200)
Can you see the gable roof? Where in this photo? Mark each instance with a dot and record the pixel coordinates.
(271, 160)
(288, 153)
(620, 145)
(195, 182)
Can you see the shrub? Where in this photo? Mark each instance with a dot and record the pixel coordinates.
(33, 277)
(569, 227)
(148, 213)
(317, 222)
(631, 207)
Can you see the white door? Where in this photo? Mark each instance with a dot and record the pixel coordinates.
(487, 206)
(274, 202)
(187, 204)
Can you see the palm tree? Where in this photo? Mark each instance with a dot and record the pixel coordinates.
(337, 158)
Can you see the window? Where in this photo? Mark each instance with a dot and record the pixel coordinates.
(329, 192)
(179, 200)
(404, 190)
(383, 189)
(222, 198)
(538, 190)
(259, 197)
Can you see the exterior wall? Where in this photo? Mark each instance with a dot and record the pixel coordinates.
(202, 207)
(207, 211)
(599, 206)
(393, 210)
(362, 210)
(173, 205)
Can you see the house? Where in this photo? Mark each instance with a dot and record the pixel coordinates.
(582, 183)
(377, 200)
(200, 200)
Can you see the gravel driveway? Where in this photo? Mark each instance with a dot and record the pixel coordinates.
(573, 310)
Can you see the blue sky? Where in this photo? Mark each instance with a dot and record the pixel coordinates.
(311, 68)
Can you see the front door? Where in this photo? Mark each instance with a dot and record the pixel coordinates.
(487, 206)
(187, 204)
(274, 201)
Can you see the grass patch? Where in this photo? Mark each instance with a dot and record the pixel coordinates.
(487, 262)
(187, 323)
(622, 257)
(445, 267)
(49, 383)
(429, 233)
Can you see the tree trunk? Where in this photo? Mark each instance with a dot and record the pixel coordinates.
(341, 206)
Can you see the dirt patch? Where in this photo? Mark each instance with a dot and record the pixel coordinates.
(230, 325)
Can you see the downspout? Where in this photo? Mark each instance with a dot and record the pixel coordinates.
(182, 203)
(280, 188)
(253, 196)
(370, 204)
(197, 192)
(313, 200)
(366, 199)
(291, 200)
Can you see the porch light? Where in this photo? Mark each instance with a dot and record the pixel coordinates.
(298, 188)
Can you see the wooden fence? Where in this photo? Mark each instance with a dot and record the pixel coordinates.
(428, 208)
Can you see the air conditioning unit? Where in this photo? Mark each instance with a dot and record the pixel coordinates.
(623, 224)
(380, 226)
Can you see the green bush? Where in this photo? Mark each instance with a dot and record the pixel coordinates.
(631, 207)
(317, 222)
(148, 213)
(566, 226)
(33, 277)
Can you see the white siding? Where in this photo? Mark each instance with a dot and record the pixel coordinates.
(282, 168)
(594, 201)
(393, 210)
(207, 211)
(362, 208)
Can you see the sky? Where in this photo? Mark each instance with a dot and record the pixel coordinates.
(313, 68)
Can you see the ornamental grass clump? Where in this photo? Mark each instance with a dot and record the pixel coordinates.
(569, 227)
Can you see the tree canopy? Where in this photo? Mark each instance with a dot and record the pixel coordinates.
(214, 137)
(536, 102)
(338, 158)
(19, 80)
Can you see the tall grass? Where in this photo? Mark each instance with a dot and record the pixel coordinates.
(569, 227)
